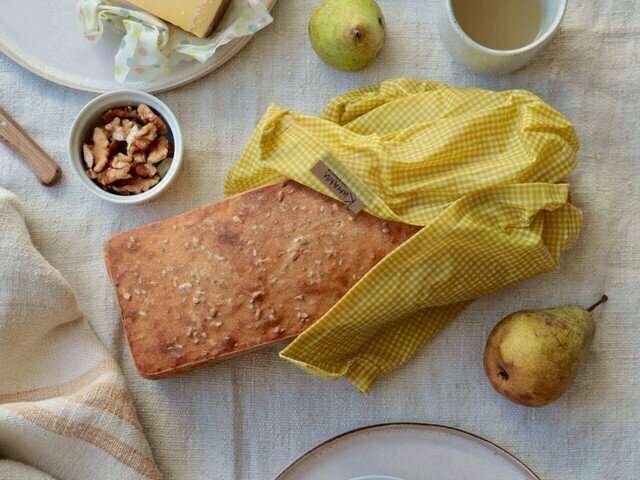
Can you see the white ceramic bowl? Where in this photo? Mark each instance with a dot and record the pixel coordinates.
(89, 117)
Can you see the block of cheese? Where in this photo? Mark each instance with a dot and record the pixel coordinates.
(199, 17)
(245, 272)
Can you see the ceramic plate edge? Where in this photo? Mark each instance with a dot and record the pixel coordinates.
(302, 457)
(50, 76)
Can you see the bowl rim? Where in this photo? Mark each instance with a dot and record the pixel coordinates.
(90, 113)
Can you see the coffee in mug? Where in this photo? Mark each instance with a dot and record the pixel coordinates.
(500, 24)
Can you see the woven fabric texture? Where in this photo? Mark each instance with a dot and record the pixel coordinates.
(65, 409)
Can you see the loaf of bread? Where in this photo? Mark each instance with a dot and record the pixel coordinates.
(241, 273)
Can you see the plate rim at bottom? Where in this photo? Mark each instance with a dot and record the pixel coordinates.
(457, 431)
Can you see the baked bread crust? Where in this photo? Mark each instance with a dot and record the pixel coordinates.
(239, 274)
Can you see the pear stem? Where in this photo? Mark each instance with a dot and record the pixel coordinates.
(600, 302)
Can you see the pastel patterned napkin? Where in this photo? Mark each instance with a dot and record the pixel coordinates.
(150, 48)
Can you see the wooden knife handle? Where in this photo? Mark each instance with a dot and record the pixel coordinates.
(14, 136)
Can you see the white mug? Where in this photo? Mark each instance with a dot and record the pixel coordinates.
(481, 59)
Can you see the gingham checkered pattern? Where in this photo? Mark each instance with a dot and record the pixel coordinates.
(479, 170)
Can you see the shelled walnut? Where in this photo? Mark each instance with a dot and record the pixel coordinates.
(123, 154)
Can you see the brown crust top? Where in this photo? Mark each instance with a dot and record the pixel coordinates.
(239, 274)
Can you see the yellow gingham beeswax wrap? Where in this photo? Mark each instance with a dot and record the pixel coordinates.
(480, 170)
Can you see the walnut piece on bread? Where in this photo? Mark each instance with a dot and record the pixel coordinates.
(124, 154)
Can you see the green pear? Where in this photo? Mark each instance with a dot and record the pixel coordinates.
(347, 34)
(532, 356)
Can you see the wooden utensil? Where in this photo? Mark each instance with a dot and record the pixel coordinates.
(14, 136)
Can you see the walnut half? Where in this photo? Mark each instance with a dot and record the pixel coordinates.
(139, 139)
(149, 116)
(135, 185)
(100, 149)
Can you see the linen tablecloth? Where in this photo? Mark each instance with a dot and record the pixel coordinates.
(65, 409)
(249, 417)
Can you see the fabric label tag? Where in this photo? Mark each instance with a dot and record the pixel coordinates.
(337, 186)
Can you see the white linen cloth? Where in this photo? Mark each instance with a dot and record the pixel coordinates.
(65, 410)
(249, 417)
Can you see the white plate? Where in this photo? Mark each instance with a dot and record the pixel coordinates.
(41, 36)
(409, 451)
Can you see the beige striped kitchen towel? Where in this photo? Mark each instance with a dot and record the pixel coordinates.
(65, 411)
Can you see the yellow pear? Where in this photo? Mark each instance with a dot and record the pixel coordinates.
(532, 356)
(347, 34)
